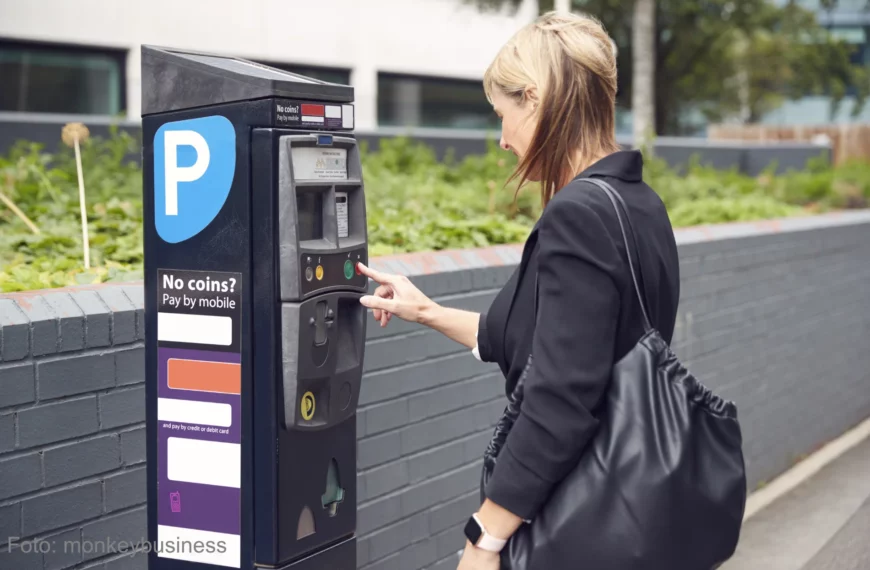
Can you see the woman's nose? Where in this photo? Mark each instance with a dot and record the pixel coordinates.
(503, 144)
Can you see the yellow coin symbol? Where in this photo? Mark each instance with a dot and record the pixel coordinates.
(307, 406)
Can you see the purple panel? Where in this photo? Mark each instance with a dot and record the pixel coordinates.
(196, 506)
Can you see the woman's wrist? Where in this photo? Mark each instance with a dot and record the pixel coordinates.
(456, 324)
(498, 521)
(428, 314)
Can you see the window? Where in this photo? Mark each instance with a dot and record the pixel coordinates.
(41, 78)
(857, 39)
(330, 74)
(838, 6)
(433, 102)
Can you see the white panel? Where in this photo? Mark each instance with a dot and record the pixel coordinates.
(190, 412)
(333, 111)
(347, 116)
(198, 329)
(204, 462)
(216, 548)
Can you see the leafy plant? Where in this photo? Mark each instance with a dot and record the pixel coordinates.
(44, 186)
(414, 202)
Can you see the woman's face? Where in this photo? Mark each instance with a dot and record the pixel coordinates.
(517, 122)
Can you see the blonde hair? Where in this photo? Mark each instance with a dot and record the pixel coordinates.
(571, 61)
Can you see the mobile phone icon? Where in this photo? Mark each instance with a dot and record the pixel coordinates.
(175, 502)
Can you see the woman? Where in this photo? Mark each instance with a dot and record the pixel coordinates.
(554, 86)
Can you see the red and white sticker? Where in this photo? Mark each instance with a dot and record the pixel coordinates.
(313, 113)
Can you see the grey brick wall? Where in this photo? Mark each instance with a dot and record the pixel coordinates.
(72, 438)
(774, 316)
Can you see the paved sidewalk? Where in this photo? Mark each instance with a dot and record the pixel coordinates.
(823, 524)
(850, 547)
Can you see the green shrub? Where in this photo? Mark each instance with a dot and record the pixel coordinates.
(722, 210)
(45, 187)
(414, 202)
(851, 186)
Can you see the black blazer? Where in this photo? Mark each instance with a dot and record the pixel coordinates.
(588, 318)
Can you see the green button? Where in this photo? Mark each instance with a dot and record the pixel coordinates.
(348, 269)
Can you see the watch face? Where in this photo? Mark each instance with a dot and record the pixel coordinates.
(473, 531)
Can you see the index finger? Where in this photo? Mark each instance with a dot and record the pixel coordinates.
(374, 274)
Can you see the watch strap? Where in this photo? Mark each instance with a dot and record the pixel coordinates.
(487, 541)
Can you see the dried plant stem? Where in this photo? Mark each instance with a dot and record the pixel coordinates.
(73, 134)
(17, 211)
(85, 238)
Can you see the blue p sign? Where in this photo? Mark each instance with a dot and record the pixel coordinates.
(194, 165)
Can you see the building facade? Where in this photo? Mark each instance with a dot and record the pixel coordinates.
(411, 62)
(848, 20)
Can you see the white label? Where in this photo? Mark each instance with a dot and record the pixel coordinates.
(347, 116)
(320, 163)
(198, 329)
(341, 213)
(193, 412)
(215, 547)
(204, 462)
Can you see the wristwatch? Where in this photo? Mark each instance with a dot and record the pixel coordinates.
(477, 535)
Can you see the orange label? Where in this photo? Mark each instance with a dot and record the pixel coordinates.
(204, 376)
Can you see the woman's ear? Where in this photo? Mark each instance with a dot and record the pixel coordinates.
(531, 97)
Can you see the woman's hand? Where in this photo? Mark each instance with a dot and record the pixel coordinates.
(395, 295)
(478, 559)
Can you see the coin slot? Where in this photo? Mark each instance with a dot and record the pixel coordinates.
(320, 322)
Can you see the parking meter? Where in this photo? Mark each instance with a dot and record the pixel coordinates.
(254, 220)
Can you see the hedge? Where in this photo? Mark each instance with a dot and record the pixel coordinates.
(414, 201)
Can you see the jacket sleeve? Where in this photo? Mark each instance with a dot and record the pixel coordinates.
(572, 357)
(484, 348)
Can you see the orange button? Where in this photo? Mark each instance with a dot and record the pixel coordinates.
(319, 272)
